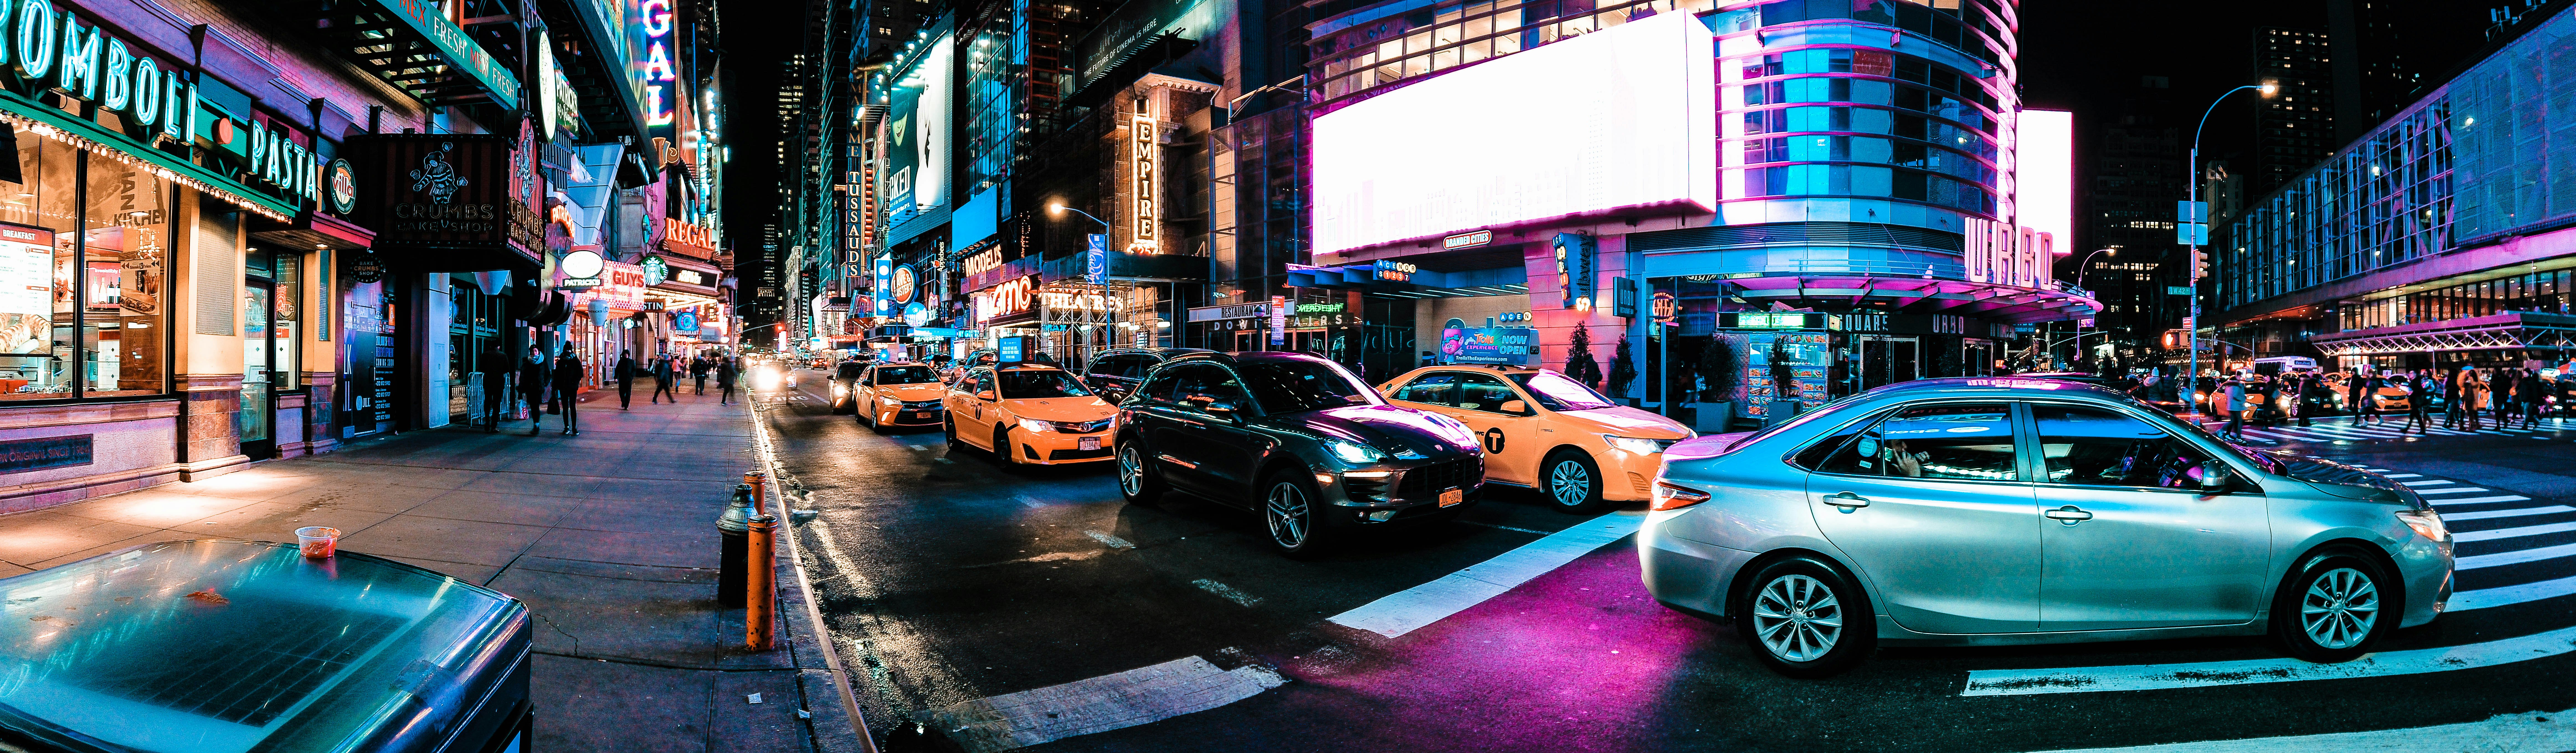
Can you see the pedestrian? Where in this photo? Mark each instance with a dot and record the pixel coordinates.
(2473, 397)
(495, 366)
(662, 381)
(2528, 393)
(726, 371)
(2500, 393)
(532, 386)
(626, 372)
(698, 369)
(2451, 394)
(2232, 397)
(2419, 404)
(568, 376)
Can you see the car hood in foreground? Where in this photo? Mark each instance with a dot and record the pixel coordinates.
(1385, 427)
(2342, 480)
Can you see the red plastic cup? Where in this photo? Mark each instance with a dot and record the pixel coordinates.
(318, 542)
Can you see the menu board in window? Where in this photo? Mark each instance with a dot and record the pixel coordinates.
(26, 261)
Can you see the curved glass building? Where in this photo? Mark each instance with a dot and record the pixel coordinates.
(1838, 203)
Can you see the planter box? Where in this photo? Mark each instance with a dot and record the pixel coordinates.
(1713, 418)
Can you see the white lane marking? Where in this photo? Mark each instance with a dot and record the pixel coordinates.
(2452, 490)
(2479, 500)
(2485, 514)
(2405, 475)
(1410, 609)
(2433, 482)
(1113, 541)
(1226, 591)
(1100, 704)
(2524, 731)
(2509, 533)
(2253, 671)
(2515, 557)
(1507, 528)
(2511, 595)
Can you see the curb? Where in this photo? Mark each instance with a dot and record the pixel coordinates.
(826, 731)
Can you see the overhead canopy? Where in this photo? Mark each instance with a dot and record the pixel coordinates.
(1981, 300)
(418, 51)
(2512, 330)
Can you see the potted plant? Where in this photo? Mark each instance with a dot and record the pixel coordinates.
(1717, 369)
(1623, 372)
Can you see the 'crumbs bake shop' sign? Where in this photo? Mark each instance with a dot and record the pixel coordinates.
(446, 193)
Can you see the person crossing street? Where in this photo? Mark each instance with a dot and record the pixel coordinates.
(662, 383)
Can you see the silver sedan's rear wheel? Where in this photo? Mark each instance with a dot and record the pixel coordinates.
(1802, 618)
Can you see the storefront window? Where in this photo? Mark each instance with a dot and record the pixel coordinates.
(80, 313)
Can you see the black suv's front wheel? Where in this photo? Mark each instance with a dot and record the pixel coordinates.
(1138, 482)
(1293, 513)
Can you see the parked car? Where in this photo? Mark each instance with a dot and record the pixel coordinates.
(1027, 413)
(1544, 431)
(899, 394)
(1115, 373)
(1905, 515)
(1300, 440)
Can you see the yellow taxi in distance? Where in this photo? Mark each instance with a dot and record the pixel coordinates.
(896, 394)
(1029, 413)
(1545, 431)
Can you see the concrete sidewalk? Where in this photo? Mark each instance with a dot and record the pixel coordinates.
(608, 536)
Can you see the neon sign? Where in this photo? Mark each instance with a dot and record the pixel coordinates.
(657, 62)
(1146, 131)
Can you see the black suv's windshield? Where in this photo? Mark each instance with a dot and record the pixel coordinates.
(1032, 383)
(850, 370)
(905, 375)
(1299, 386)
(1557, 393)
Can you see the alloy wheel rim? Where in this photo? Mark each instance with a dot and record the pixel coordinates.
(2340, 609)
(1569, 484)
(1797, 618)
(1287, 515)
(1131, 471)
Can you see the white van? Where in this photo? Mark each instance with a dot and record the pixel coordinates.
(2274, 366)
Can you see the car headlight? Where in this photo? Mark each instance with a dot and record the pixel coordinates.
(1631, 444)
(889, 402)
(2426, 523)
(1032, 424)
(838, 390)
(1353, 452)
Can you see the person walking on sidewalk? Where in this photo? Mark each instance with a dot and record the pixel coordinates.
(698, 370)
(568, 375)
(532, 386)
(496, 369)
(725, 374)
(662, 381)
(626, 371)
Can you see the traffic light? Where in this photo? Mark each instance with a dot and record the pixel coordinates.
(2199, 265)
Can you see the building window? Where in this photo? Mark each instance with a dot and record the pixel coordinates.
(84, 276)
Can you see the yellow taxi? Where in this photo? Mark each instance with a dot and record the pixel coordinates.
(888, 395)
(1029, 413)
(1545, 431)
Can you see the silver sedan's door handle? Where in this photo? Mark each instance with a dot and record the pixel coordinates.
(1847, 500)
(2069, 515)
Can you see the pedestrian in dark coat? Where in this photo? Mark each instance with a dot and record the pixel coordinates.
(662, 383)
(496, 368)
(568, 376)
(532, 386)
(698, 368)
(726, 372)
(626, 373)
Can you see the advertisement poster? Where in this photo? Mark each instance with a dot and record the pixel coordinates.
(26, 259)
(1503, 345)
(367, 371)
(1801, 369)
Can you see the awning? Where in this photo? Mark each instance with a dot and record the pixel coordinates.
(2517, 330)
(51, 122)
(1988, 301)
(309, 230)
(419, 52)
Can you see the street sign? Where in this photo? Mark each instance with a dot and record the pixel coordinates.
(1625, 305)
(2178, 290)
(2191, 234)
(2191, 211)
(1007, 350)
(1278, 321)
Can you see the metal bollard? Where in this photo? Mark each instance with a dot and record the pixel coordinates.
(761, 584)
(735, 526)
(759, 482)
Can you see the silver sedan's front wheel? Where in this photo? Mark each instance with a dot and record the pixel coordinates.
(2333, 607)
(2340, 609)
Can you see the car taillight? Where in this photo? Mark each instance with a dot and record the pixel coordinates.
(1672, 496)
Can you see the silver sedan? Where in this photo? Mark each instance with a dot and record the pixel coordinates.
(1989, 511)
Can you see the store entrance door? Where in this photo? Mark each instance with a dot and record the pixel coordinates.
(1979, 355)
(1886, 360)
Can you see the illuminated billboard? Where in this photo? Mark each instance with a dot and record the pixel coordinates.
(2044, 172)
(1621, 122)
(916, 172)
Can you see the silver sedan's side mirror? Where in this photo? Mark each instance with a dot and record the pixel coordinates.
(2214, 477)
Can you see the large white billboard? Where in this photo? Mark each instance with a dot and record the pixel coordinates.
(1621, 121)
(2044, 173)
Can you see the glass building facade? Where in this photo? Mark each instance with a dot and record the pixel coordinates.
(2439, 237)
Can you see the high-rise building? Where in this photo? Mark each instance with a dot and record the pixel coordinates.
(2386, 53)
(2136, 175)
(2296, 126)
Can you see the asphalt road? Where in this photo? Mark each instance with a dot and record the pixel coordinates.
(969, 598)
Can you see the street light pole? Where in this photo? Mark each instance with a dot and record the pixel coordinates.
(2191, 181)
(1105, 324)
(2079, 285)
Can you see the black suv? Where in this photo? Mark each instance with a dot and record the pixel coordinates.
(1299, 439)
(845, 385)
(1115, 373)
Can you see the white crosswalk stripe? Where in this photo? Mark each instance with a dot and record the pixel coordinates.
(2424, 483)
(2512, 533)
(2488, 514)
(2403, 475)
(2478, 500)
(2453, 490)
(2511, 595)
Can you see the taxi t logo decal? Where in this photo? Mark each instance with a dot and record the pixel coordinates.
(1494, 440)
